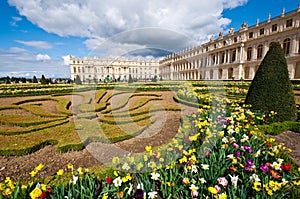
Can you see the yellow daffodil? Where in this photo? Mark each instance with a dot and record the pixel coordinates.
(60, 172)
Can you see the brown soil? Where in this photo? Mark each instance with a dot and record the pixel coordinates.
(291, 140)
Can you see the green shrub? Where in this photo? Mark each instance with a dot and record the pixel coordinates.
(271, 88)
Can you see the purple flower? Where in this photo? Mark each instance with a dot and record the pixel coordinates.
(242, 148)
(235, 145)
(264, 168)
(237, 154)
(249, 162)
(248, 148)
(248, 165)
(139, 194)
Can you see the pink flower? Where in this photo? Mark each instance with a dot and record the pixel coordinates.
(218, 188)
(235, 145)
(222, 181)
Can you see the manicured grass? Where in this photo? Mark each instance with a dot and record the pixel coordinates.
(121, 132)
(21, 144)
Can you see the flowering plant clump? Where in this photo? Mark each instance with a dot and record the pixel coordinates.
(223, 156)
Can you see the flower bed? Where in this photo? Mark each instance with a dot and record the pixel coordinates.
(217, 154)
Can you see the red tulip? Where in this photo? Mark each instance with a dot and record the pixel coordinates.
(108, 180)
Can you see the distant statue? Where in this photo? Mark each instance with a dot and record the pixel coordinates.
(244, 26)
(282, 12)
(221, 34)
(212, 38)
(231, 31)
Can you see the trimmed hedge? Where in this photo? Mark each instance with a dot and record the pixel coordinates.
(279, 127)
(17, 131)
(271, 88)
(27, 150)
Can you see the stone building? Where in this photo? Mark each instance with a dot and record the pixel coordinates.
(238, 54)
(95, 69)
(233, 56)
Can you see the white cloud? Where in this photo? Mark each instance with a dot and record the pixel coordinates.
(66, 60)
(103, 19)
(36, 44)
(21, 62)
(41, 57)
(15, 20)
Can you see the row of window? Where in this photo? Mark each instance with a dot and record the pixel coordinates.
(289, 23)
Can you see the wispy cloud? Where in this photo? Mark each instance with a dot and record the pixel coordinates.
(21, 62)
(15, 20)
(36, 44)
(43, 57)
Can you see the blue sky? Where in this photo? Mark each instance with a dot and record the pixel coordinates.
(37, 37)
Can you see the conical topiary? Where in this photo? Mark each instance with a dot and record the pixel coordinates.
(271, 88)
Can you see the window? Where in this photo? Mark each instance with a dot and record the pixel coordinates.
(223, 57)
(249, 53)
(235, 39)
(289, 23)
(230, 73)
(220, 72)
(211, 74)
(299, 46)
(224, 43)
(262, 31)
(274, 27)
(286, 46)
(259, 51)
(233, 56)
(214, 59)
(250, 35)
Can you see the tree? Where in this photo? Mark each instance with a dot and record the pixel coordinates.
(7, 81)
(43, 80)
(130, 80)
(271, 88)
(78, 80)
(154, 79)
(34, 80)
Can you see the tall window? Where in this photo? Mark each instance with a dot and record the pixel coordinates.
(262, 31)
(259, 51)
(299, 46)
(233, 56)
(250, 35)
(211, 74)
(220, 71)
(286, 46)
(223, 57)
(230, 73)
(289, 23)
(274, 27)
(249, 53)
(74, 69)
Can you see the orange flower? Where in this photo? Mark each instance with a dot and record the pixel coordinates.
(120, 194)
(274, 174)
(232, 169)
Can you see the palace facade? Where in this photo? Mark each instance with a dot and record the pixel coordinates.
(233, 56)
(91, 69)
